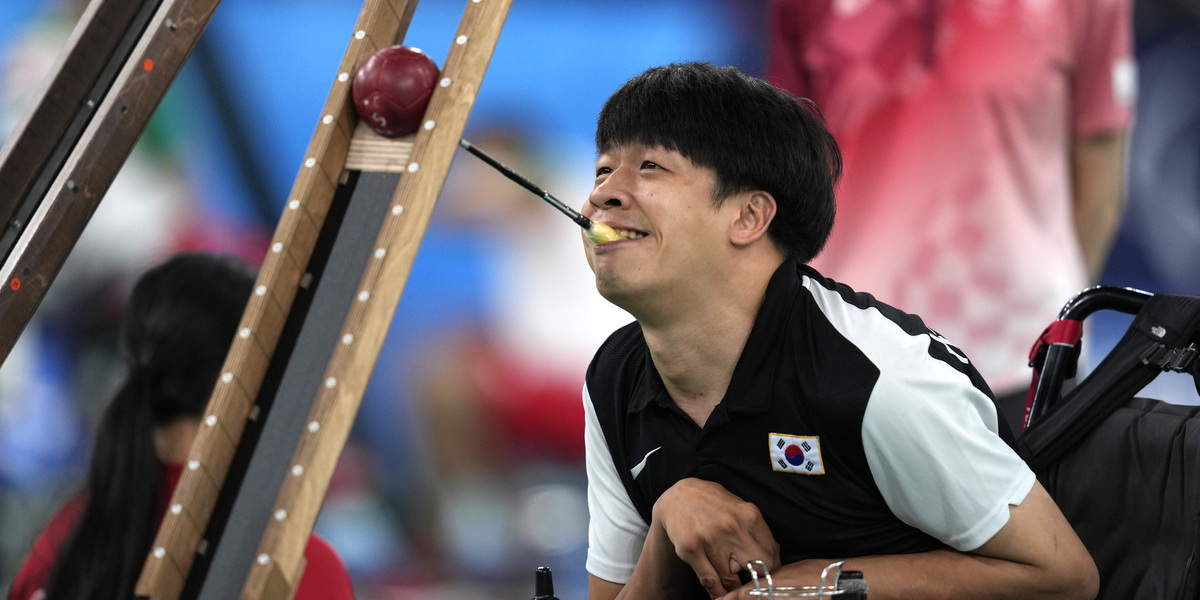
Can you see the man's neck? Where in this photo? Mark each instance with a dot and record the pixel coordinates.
(696, 351)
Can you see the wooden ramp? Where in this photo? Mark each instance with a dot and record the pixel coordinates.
(245, 506)
(296, 371)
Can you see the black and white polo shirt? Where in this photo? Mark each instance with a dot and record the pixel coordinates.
(853, 427)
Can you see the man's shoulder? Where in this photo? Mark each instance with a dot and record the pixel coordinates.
(616, 363)
(619, 346)
(895, 341)
(841, 303)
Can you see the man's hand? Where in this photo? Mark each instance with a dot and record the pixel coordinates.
(714, 532)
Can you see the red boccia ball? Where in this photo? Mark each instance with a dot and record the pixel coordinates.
(392, 89)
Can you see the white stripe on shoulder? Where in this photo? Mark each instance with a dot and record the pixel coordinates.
(881, 339)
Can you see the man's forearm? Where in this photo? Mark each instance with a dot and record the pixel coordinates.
(938, 575)
(1036, 555)
(659, 572)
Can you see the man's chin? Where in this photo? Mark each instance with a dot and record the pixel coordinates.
(618, 292)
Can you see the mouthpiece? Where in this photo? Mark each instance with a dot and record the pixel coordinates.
(601, 233)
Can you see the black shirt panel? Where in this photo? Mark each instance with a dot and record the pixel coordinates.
(797, 376)
(616, 376)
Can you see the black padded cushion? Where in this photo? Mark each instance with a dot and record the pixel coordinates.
(1131, 490)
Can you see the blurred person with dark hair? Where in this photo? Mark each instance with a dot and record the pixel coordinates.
(983, 144)
(175, 332)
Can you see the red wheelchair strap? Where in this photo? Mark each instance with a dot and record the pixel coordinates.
(1066, 332)
(1063, 331)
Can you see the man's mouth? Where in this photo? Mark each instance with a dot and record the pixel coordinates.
(629, 234)
(602, 234)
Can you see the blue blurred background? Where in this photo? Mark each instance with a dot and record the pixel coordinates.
(463, 472)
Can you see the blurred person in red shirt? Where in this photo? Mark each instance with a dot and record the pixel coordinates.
(983, 144)
(175, 332)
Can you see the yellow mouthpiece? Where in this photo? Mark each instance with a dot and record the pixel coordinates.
(601, 233)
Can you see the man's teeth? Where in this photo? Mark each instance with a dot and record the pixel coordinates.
(630, 234)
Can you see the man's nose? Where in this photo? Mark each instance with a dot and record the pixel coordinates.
(608, 195)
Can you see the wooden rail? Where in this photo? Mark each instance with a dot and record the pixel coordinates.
(63, 156)
(282, 409)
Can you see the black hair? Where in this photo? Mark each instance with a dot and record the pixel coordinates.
(175, 332)
(752, 134)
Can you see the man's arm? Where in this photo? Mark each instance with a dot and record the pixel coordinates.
(1035, 555)
(1097, 165)
(599, 589)
(615, 529)
(659, 573)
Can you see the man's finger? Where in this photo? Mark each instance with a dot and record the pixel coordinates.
(709, 579)
(729, 579)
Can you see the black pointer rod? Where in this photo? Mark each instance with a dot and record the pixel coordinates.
(597, 232)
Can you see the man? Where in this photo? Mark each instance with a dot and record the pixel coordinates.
(983, 143)
(759, 411)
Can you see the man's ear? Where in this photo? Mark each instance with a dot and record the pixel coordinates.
(756, 210)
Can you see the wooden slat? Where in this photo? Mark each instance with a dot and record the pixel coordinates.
(91, 166)
(71, 86)
(372, 152)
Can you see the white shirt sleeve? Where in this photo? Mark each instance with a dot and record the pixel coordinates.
(933, 451)
(616, 531)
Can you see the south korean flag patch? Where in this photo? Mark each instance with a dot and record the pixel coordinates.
(796, 454)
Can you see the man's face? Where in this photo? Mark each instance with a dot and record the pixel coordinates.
(661, 203)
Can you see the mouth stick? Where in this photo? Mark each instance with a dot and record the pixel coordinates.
(597, 232)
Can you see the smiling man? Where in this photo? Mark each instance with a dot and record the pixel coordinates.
(757, 410)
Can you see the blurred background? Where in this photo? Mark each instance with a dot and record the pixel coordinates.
(464, 470)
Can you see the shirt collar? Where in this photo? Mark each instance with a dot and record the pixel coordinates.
(752, 384)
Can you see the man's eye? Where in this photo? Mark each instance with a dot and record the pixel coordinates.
(649, 165)
(603, 171)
